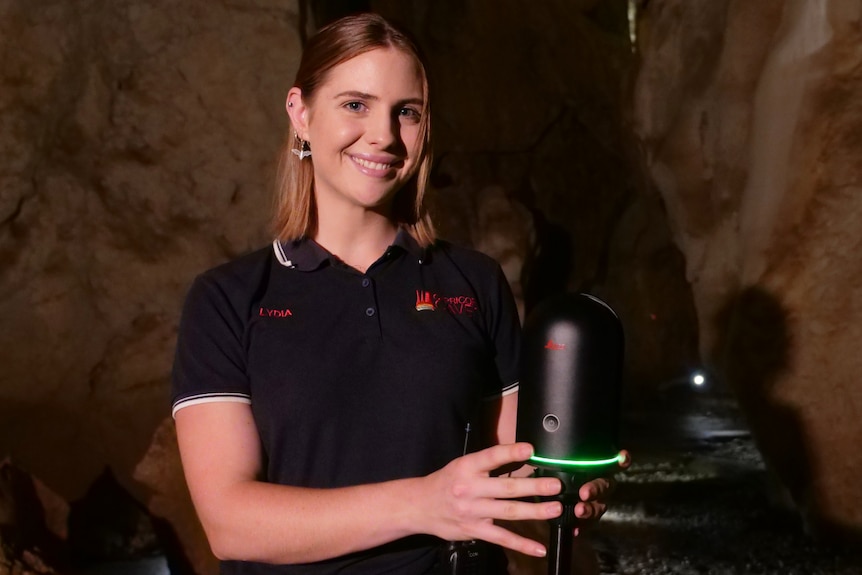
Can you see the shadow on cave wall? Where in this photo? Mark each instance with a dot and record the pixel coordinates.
(754, 351)
(546, 270)
(314, 14)
(107, 526)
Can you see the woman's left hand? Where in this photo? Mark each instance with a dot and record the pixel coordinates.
(593, 495)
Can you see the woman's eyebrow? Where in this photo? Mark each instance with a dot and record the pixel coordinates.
(417, 101)
(357, 94)
(366, 96)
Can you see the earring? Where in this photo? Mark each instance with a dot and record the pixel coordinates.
(304, 149)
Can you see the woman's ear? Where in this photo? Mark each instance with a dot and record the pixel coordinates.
(298, 112)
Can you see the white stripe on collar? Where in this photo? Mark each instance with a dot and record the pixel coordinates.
(280, 255)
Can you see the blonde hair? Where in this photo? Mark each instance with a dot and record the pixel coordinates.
(295, 210)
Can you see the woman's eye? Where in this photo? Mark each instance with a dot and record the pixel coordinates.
(409, 114)
(354, 106)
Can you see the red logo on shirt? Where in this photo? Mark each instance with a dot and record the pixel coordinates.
(267, 312)
(458, 305)
(555, 346)
(425, 301)
(461, 304)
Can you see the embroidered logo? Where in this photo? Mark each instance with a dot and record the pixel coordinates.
(458, 305)
(267, 312)
(555, 346)
(425, 301)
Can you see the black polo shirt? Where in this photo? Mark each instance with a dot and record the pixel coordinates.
(352, 378)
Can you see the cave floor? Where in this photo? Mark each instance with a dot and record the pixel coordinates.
(697, 501)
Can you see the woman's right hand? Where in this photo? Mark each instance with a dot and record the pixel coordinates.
(462, 500)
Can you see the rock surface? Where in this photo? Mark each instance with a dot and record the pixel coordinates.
(138, 143)
(529, 120)
(749, 118)
(32, 524)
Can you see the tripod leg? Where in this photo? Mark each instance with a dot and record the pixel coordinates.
(560, 552)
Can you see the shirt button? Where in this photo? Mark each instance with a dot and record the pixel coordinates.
(366, 282)
(369, 312)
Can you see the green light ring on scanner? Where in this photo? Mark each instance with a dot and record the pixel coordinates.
(577, 462)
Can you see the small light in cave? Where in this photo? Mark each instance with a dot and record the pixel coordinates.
(698, 379)
(633, 23)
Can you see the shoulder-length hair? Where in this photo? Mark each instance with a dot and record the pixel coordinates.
(295, 210)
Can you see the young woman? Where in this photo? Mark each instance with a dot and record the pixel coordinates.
(324, 386)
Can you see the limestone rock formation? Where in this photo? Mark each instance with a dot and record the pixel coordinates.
(137, 143)
(530, 103)
(749, 117)
(32, 524)
(137, 148)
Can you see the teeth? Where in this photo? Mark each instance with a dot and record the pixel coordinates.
(371, 165)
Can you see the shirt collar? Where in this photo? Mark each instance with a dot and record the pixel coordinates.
(408, 243)
(303, 254)
(307, 255)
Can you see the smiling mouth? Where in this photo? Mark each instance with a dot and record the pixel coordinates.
(370, 165)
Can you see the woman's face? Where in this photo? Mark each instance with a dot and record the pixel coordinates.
(363, 128)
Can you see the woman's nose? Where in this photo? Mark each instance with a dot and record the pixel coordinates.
(384, 129)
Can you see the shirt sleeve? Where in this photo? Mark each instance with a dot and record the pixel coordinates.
(210, 360)
(505, 333)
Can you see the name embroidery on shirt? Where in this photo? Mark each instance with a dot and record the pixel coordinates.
(267, 312)
(554, 345)
(458, 305)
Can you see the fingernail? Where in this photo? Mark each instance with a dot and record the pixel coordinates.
(626, 459)
(541, 552)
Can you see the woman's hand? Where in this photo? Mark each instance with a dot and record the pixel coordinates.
(593, 496)
(462, 500)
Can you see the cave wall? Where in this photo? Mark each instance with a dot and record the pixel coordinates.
(749, 118)
(707, 186)
(137, 142)
(535, 163)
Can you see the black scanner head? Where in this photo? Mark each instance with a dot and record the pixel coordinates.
(571, 383)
